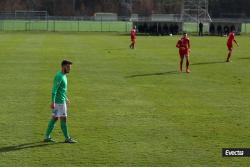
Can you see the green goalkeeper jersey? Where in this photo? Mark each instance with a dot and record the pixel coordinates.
(59, 90)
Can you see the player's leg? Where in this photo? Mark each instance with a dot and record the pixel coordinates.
(64, 126)
(62, 113)
(187, 64)
(131, 44)
(50, 128)
(181, 62)
(230, 50)
(229, 55)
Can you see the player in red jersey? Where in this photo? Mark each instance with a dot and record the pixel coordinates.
(133, 37)
(184, 50)
(231, 39)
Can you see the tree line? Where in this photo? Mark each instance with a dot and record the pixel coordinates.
(217, 8)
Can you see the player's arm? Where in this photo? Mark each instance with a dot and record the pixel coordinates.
(178, 44)
(67, 101)
(189, 46)
(236, 42)
(56, 84)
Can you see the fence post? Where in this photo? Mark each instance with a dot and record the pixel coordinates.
(47, 22)
(30, 22)
(126, 26)
(54, 22)
(157, 28)
(78, 24)
(101, 23)
(246, 27)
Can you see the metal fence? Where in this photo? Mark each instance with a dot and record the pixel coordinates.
(40, 21)
(74, 24)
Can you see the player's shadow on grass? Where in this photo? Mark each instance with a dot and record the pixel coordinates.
(115, 49)
(207, 63)
(152, 74)
(25, 146)
(244, 58)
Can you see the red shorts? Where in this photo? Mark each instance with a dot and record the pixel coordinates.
(183, 53)
(133, 40)
(230, 46)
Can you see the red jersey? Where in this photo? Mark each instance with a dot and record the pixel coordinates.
(231, 38)
(133, 33)
(184, 45)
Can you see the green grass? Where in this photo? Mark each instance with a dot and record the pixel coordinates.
(128, 107)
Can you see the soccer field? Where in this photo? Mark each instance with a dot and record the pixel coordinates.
(128, 107)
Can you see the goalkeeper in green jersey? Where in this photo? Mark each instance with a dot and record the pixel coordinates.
(59, 103)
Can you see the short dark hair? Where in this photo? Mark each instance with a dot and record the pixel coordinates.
(66, 62)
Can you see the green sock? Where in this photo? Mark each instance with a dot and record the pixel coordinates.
(50, 128)
(64, 129)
